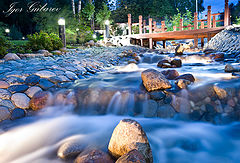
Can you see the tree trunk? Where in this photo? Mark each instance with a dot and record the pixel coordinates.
(73, 7)
(79, 6)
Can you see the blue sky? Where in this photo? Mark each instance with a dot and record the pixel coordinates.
(217, 5)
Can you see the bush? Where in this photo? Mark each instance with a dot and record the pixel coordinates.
(4, 46)
(45, 41)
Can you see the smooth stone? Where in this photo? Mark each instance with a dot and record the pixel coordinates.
(11, 56)
(71, 75)
(17, 88)
(45, 84)
(40, 100)
(17, 114)
(58, 79)
(162, 62)
(32, 80)
(32, 91)
(179, 49)
(182, 83)
(157, 95)
(170, 74)
(133, 156)
(7, 103)
(45, 74)
(93, 156)
(151, 109)
(181, 105)
(166, 111)
(20, 100)
(14, 80)
(4, 113)
(71, 149)
(177, 62)
(129, 135)
(189, 77)
(154, 80)
(5, 94)
(132, 61)
(4, 85)
(220, 92)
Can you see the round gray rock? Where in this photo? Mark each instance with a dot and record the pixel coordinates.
(4, 113)
(5, 94)
(20, 100)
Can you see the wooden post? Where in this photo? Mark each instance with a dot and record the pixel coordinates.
(174, 28)
(202, 42)
(150, 31)
(164, 44)
(209, 18)
(226, 14)
(129, 24)
(144, 26)
(202, 25)
(181, 24)
(209, 37)
(140, 24)
(214, 21)
(195, 41)
(195, 20)
(189, 27)
(163, 26)
(154, 26)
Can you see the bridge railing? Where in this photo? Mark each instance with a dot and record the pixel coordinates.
(210, 22)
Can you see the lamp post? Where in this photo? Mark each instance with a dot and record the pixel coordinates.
(94, 36)
(107, 23)
(7, 32)
(62, 33)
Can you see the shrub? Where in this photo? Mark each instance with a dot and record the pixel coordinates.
(4, 46)
(45, 41)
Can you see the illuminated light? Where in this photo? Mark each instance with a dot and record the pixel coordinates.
(23, 38)
(77, 29)
(94, 36)
(7, 30)
(107, 22)
(61, 21)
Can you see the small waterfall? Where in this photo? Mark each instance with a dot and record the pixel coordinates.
(114, 106)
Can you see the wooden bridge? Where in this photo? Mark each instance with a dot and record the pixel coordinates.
(205, 28)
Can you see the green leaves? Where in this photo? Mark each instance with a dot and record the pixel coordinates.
(103, 15)
(88, 11)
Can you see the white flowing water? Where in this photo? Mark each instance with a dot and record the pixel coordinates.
(36, 139)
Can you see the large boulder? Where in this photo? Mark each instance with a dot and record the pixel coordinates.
(40, 100)
(154, 80)
(127, 136)
(11, 56)
(177, 62)
(170, 74)
(179, 49)
(93, 156)
(132, 157)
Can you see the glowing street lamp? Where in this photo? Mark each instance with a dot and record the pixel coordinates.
(77, 29)
(107, 23)
(7, 31)
(62, 33)
(94, 36)
(23, 38)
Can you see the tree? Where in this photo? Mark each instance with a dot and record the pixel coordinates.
(73, 7)
(102, 15)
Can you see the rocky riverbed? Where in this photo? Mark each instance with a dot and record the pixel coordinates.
(130, 82)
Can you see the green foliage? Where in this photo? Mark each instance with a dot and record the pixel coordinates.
(135, 29)
(4, 46)
(103, 15)
(175, 19)
(15, 34)
(43, 40)
(88, 11)
(237, 21)
(2, 29)
(84, 34)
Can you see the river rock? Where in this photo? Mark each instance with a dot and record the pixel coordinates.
(221, 93)
(45, 84)
(71, 149)
(93, 156)
(11, 56)
(157, 95)
(18, 88)
(45, 74)
(127, 136)
(32, 80)
(189, 77)
(182, 83)
(20, 100)
(154, 80)
(4, 85)
(14, 80)
(177, 62)
(17, 114)
(230, 68)
(170, 74)
(4, 113)
(179, 49)
(32, 91)
(7, 103)
(71, 75)
(133, 156)
(40, 100)
(5, 94)
(151, 109)
(181, 105)
(132, 61)
(163, 63)
(166, 111)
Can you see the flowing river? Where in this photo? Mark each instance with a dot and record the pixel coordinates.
(110, 97)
